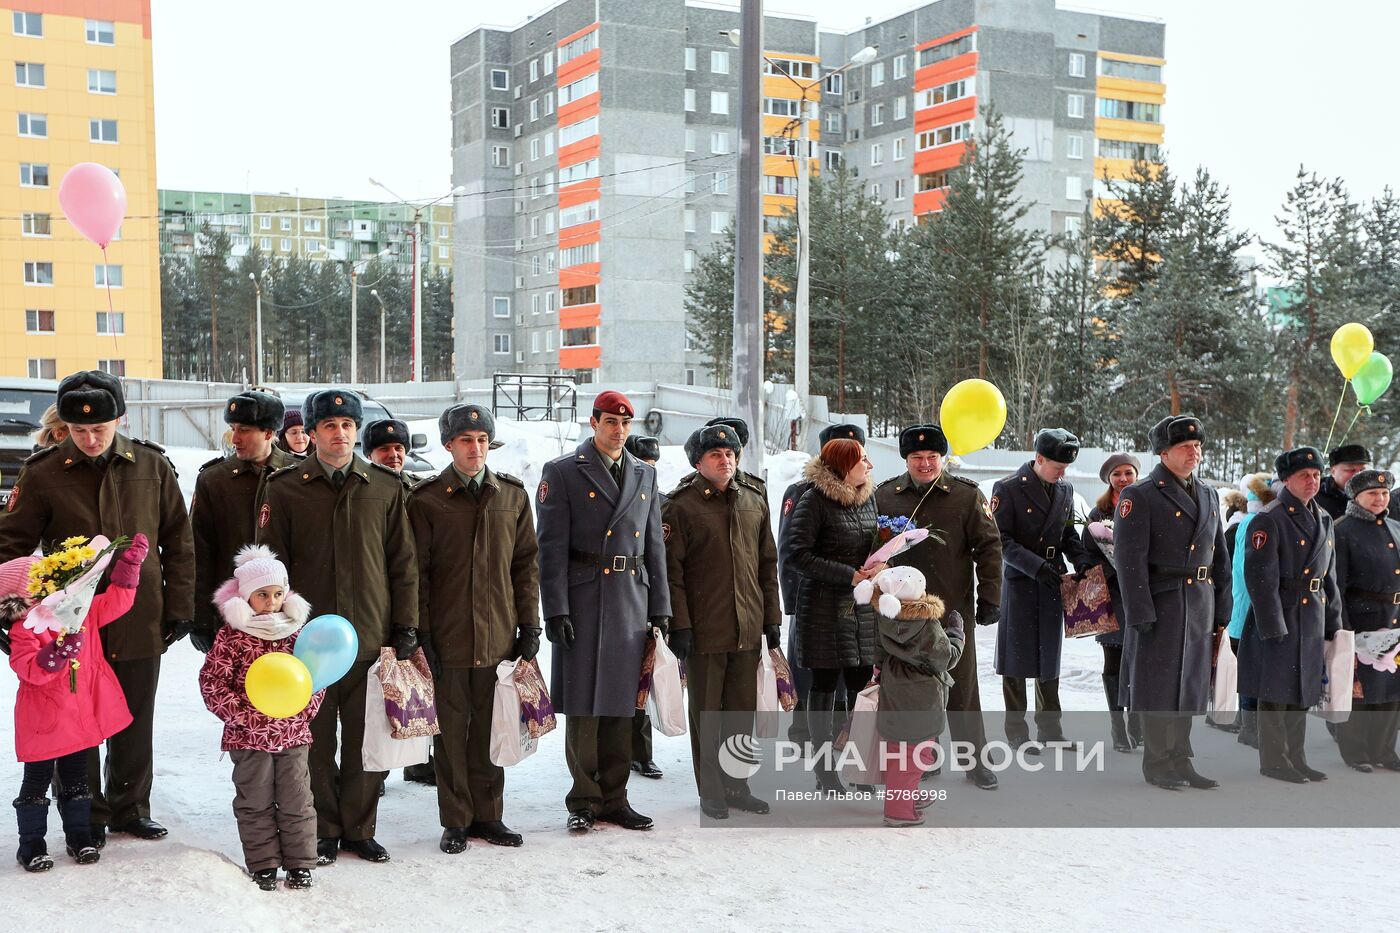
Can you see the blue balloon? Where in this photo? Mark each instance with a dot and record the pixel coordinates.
(327, 646)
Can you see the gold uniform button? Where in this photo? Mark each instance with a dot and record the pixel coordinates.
(644, 496)
(606, 571)
(1178, 514)
(592, 495)
(636, 534)
(306, 476)
(1307, 570)
(1189, 581)
(609, 532)
(1305, 600)
(1193, 547)
(1303, 541)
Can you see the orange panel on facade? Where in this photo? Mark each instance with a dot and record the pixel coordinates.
(587, 273)
(580, 192)
(589, 315)
(955, 111)
(581, 151)
(580, 234)
(926, 201)
(576, 68)
(577, 35)
(580, 357)
(576, 110)
(117, 11)
(940, 159)
(960, 66)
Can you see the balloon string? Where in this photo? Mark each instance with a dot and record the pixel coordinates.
(1328, 446)
(1359, 410)
(107, 280)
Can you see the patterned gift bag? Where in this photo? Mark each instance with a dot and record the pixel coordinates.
(1088, 604)
(536, 708)
(408, 694)
(787, 690)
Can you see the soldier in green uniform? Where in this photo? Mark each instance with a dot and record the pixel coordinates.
(99, 481)
(478, 605)
(227, 496)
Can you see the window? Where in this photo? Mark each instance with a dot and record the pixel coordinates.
(721, 183)
(944, 135)
(549, 182)
(500, 79)
(29, 74)
(689, 59)
(101, 82)
(444, 252)
(950, 49)
(689, 182)
(34, 124)
(779, 184)
(500, 343)
(688, 220)
(29, 24)
(534, 110)
(1126, 149)
(689, 260)
(312, 246)
(264, 222)
(500, 306)
(583, 295)
(42, 369)
(534, 149)
(534, 188)
(549, 334)
(549, 102)
(534, 69)
(578, 89)
(549, 144)
(1114, 109)
(33, 175)
(578, 214)
(719, 63)
(780, 145)
(690, 377)
(578, 255)
(834, 83)
(535, 225)
(265, 243)
(901, 107)
(101, 32)
(580, 46)
(901, 65)
(877, 74)
(535, 267)
(1134, 71)
(899, 145)
(38, 273)
(901, 186)
(875, 190)
(690, 100)
(578, 337)
(833, 121)
(38, 322)
(535, 303)
(1074, 147)
(102, 131)
(500, 157)
(285, 223)
(719, 102)
(719, 221)
(719, 142)
(1073, 225)
(534, 334)
(689, 140)
(784, 66)
(1074, 187)
(833, 160)
(311, 225)
(877, 154)
(578, 172)
(285, 245)
(783, 107)
(877, 114)
(111, 322)
(36, 224)
(1076, 64)
(500, 118)
(107, 276)
(112, 367)
(575, 131)
(953, 90)
(1075, 105)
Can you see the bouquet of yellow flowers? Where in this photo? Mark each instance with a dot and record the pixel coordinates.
(64, 581)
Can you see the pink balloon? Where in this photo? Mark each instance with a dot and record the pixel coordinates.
(93, 200)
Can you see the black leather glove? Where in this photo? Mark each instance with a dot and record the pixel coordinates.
(988, 614)
(773, 634)
(953, 624)
(680, 641)
(661, 622)
(560, 631)
(430, 653)
(202, 637)
(176, 630)
(405, 642)
(1049, 575)
(527, 643)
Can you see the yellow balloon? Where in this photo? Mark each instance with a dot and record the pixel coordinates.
(1351, 348)
(972, 415)
(278, 685)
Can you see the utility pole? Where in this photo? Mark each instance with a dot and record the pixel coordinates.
(416, 323)
(354, 329)
(748, 237)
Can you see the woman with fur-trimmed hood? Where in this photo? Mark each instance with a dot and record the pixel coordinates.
(830, 536)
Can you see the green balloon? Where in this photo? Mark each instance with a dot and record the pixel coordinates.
(1371, 381)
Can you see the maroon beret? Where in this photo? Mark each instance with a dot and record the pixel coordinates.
(614, 403)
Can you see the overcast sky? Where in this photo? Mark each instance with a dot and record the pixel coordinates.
(318, 96)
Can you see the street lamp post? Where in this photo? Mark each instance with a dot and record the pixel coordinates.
(354, 306)
(258, 340)
(375, 293)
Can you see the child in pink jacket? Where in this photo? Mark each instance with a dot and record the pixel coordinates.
(273, 804)
(68, 702)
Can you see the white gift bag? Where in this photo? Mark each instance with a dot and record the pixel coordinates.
(766, 721)
(380, 751)
(511, 742)
(863, 762)
(1338, 673)
(666, 701)
(1227, 695)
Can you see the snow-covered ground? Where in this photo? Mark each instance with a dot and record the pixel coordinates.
(681, 874)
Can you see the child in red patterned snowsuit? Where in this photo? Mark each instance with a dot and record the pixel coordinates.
(273, 804)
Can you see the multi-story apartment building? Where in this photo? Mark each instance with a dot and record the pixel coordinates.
(283, 225)
(81, 92)
(597, 145)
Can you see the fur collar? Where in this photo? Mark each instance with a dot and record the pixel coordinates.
(834, 487)
(924, 608)
(13, 608)
(238, 614)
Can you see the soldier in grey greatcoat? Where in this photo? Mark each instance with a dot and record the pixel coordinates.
(1174, 576)
(602, 590)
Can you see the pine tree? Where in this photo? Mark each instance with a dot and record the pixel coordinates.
(1134, 219)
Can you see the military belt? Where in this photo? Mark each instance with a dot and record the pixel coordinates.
(617, 563)
(1307, 584)
(1167, 570)
(1392, 598)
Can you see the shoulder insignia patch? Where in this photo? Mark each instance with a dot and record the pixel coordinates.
(1259, 539)
(544, 491)
(1125, 508)
(787, 506)
(992, 504)
(264, 515)
(665, 531)
(14, 498)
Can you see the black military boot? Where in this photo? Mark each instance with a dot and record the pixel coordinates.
(1249, 728)
(821, 719)
(32, 817)
(75, 807)
(1121, 742)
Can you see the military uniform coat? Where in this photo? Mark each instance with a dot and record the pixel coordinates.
(1333, 500)
(348, 552)
(1174, 581)
(721, 565)
(1290, 546)
(1368, 576)
(788, 574)
(228, 495)
(1035, 529)
(478, 570)
(583, 512)
(59, 494)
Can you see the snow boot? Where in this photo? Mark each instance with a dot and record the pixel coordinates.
(1121, 742)
(266, 879)
(298, 878)
(32, 817)
(75, 806)
(1249, 728)
(821, 719)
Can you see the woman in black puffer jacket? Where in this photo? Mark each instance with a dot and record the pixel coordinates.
(831, 534)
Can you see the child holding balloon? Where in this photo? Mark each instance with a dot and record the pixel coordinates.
(269, 740)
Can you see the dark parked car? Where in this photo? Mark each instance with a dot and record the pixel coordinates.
(22, 403)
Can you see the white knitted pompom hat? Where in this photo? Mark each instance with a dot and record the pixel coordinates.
(256, 567)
